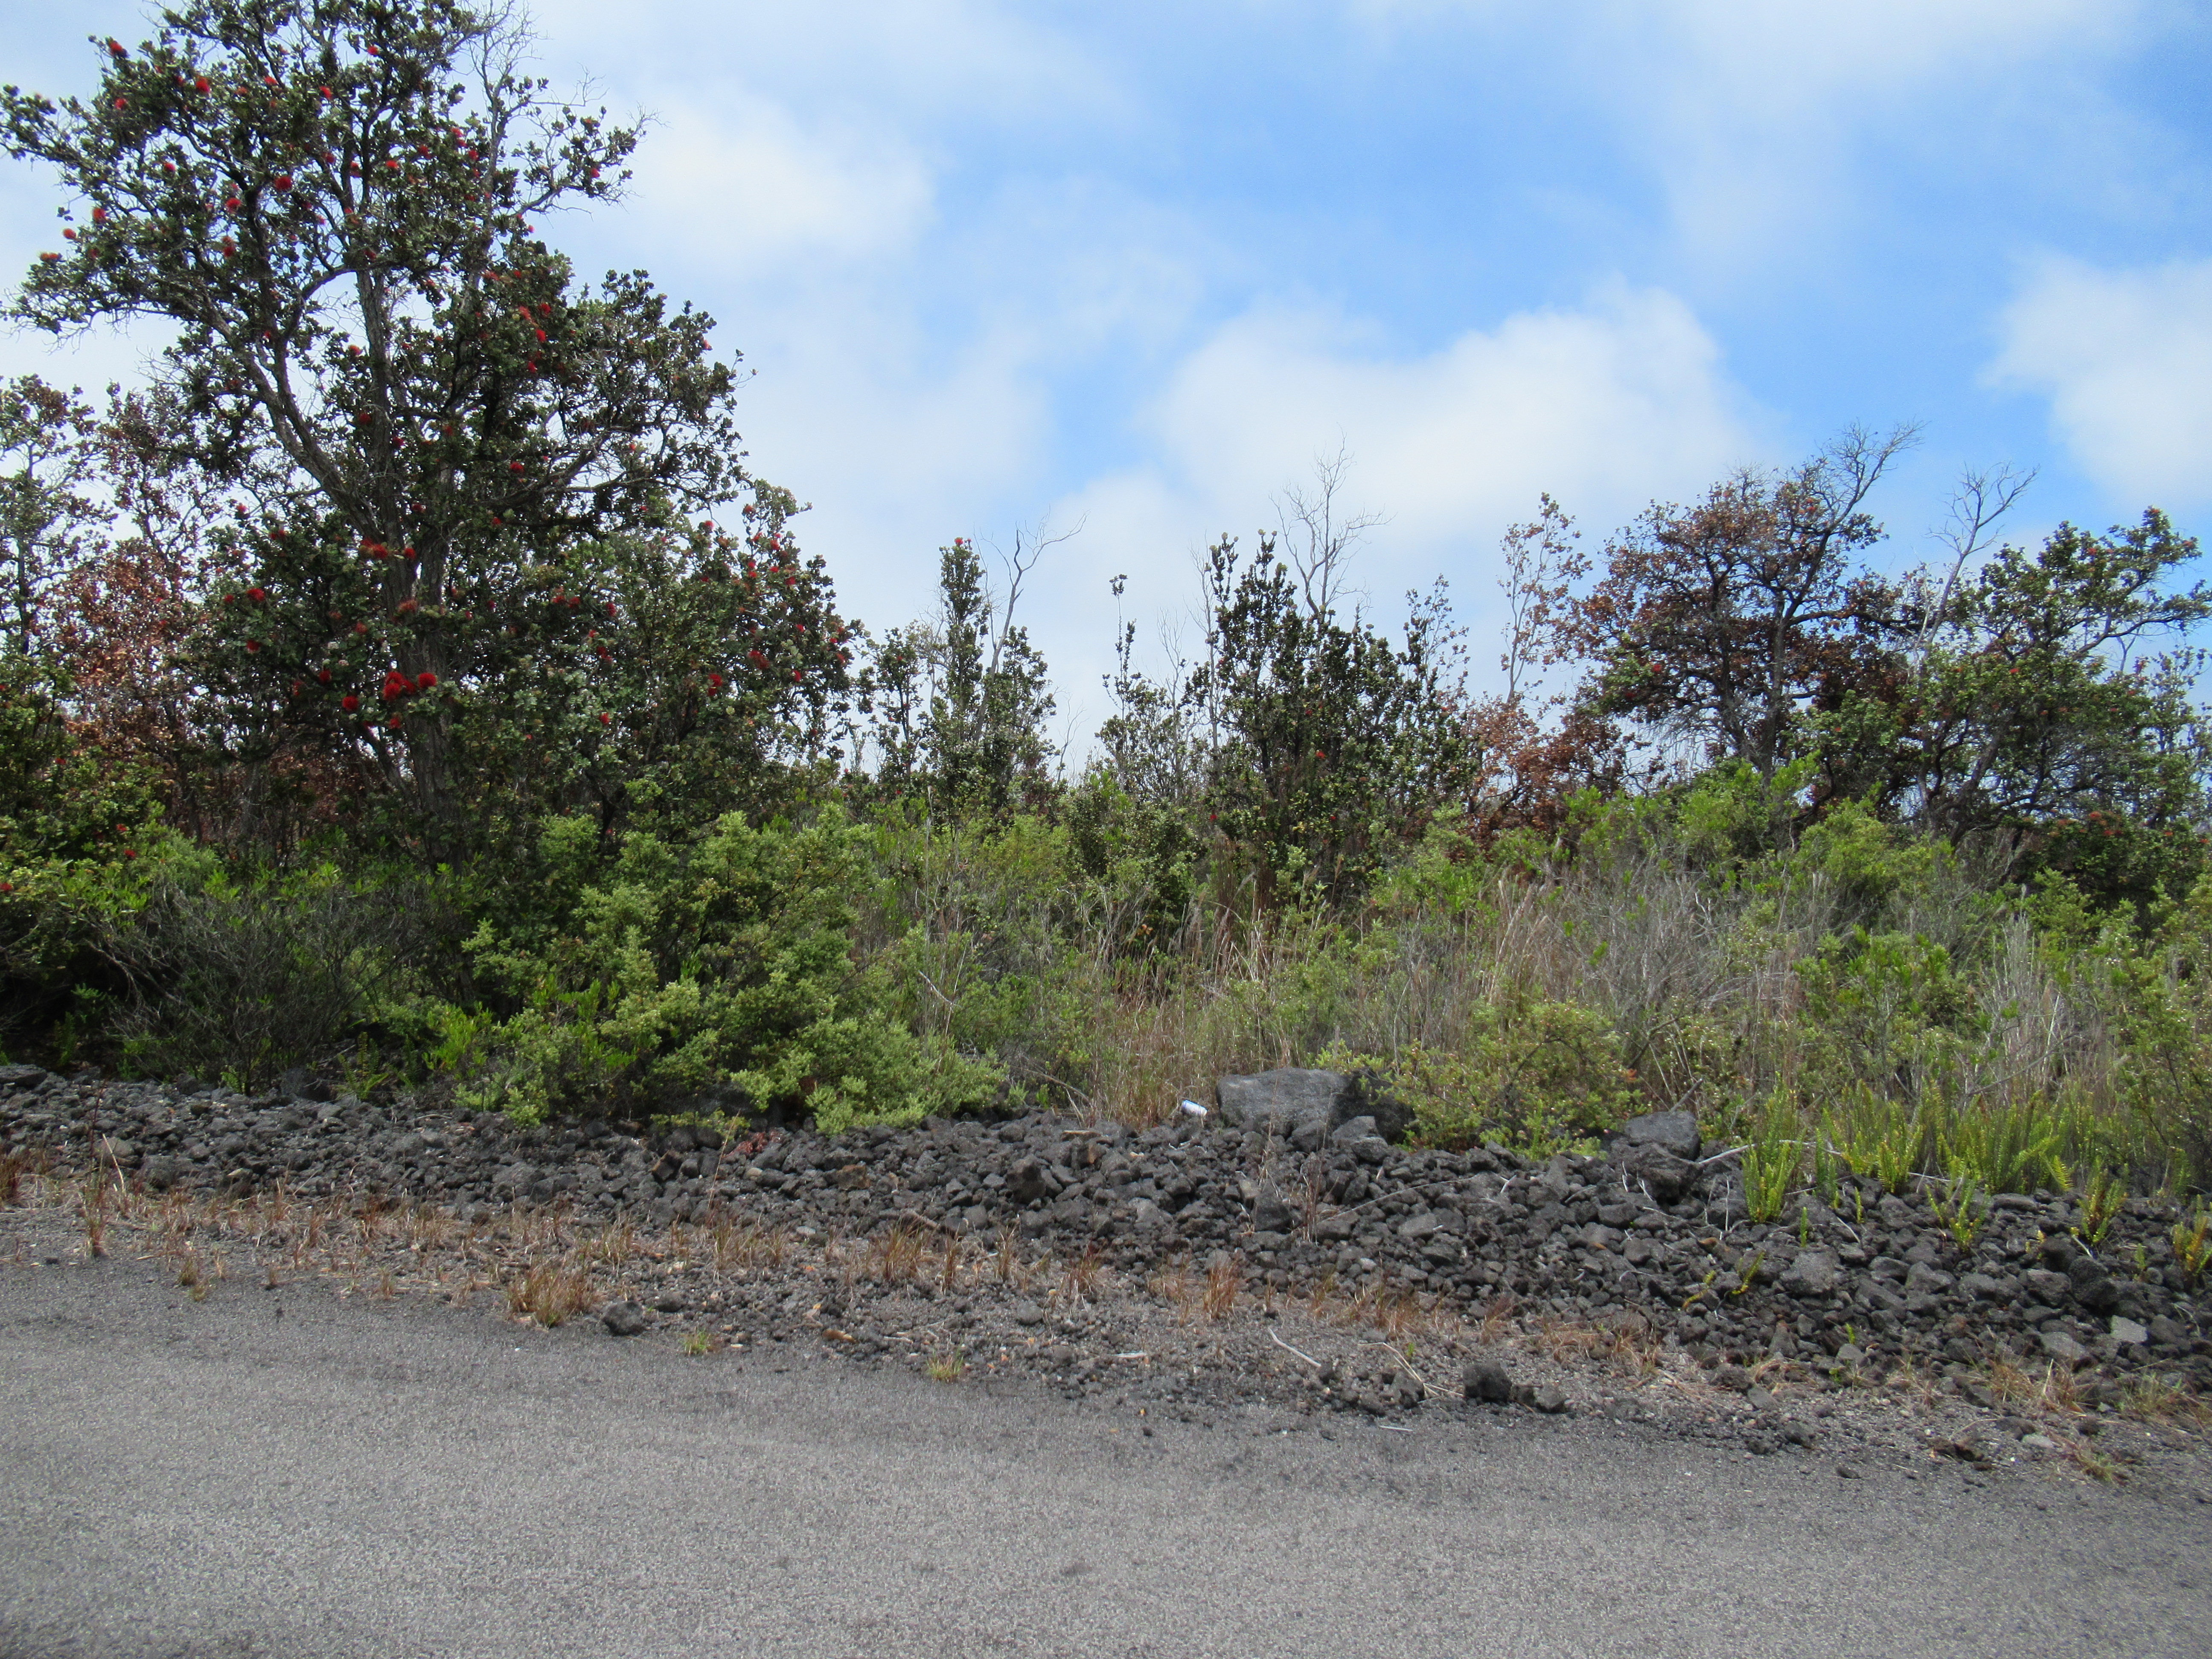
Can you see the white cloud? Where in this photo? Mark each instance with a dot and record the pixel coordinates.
(1605, 406)
(2126, 358)
(748, 190)
(1763, 124)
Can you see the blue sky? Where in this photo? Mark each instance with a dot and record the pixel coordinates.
(1132, 268)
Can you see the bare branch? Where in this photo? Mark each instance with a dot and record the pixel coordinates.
(1317, 536)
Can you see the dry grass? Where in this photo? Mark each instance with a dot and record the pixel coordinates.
(897, 1255)
(551, 1292)
(14, 1166)
(945, 1366)
(1222, 1282)
(1080, 1279)
(95, 1196)
(2152, 1397)
(2023, 1389)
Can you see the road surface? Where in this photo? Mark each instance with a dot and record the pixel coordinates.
(287, 1473)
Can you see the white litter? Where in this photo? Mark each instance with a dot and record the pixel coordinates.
(1194, 1108)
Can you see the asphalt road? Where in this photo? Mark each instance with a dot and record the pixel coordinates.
(290, 1474)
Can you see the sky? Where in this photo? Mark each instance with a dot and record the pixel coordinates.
(1130, 271)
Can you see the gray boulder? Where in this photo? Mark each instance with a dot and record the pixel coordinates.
(1676, 1133)
(1486, 1380)
(1306, 1107)
(1284, 1101)
(1814, 1273)
(1666, 1177)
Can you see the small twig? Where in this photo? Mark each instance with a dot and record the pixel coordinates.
(1301, 1353)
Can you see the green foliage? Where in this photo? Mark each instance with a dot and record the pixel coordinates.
(1892, 1005)
(961, 700)
(1962, 1212)
(665, 972)
(2003, 1149)
(245, 979)
(1877, 1136)
(1772, 1158)
(333, 204)
(2192, 1244)
(1140, 860)
(1315, 746)
(1535, 1075)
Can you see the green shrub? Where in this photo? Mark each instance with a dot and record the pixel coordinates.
(244, 980)
(680, 972)
(1537, 1075)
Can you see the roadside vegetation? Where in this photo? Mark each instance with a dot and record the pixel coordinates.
(413, 687)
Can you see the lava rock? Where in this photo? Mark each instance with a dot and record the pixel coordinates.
(2063, 1349)
(1281, 1101)
(1271, 1213)
(1675, 1132)
(1814, 1273)
(2093, 1286)
(623, 1319)
(1488, 1381)
(1666, 1177)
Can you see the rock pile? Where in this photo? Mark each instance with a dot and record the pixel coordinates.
(1291, 1178)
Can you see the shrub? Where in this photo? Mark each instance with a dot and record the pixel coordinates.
(1538, 1075)
(247, 979)
(668, 972)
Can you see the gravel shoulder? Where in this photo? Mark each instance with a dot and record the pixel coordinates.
(319, 1468)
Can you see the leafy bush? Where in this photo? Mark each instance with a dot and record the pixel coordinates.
(245, 980)
(722, 970)
(1538, 1076)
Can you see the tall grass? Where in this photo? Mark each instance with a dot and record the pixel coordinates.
(1907, 1021)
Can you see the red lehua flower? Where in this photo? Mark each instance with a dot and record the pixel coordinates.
(424, 681)
(68, 236)
(408, 607)
(130, 852)
(199, 83)
(295, 687)
(714, 680)
(514, 466)
(348, 702)
(252, 646)
(257, 594)
(606, 720)
(796, 677)
(116, 47)
(323, 675)
(100, 216)
(283, 181)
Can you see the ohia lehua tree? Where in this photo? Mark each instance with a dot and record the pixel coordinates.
(449, 457)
